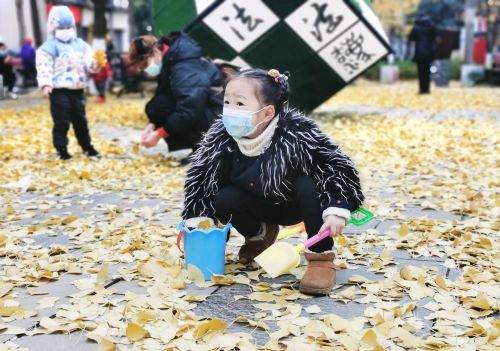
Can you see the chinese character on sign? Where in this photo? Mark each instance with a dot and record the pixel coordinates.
(350, 52)
(331, 21)
(247, 20)
(240, 24)
(353, 51)
(318, 22)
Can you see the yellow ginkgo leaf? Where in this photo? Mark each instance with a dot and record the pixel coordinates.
(204, 329)
(481, 302)
(195, 274)
(205, 224)
(103, 274)
(370, 338)
(135, 332)
(441, 282)
(221, 280)
(106, 345)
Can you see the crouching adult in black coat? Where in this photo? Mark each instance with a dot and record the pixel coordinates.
(188, 97)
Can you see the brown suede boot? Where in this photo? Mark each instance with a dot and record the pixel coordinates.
(319, 278)
(253, 248)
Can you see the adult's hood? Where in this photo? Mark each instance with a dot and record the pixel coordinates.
(59, 16)
(183, 47)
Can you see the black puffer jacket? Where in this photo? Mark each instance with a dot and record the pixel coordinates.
(424, 36)
(189, 93)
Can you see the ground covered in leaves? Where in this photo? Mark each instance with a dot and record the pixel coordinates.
(72, 232)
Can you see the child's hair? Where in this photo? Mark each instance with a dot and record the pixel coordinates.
(272, 86)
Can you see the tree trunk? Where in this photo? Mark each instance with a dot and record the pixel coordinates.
(20, 20)
(36, 23)
(100, 19)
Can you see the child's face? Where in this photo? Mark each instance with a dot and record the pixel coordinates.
(241, 93)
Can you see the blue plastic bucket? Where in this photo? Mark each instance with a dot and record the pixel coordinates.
(206, 249)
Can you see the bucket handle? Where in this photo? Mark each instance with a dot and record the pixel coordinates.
(179, 238)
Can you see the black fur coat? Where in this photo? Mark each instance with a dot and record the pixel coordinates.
(298, 147)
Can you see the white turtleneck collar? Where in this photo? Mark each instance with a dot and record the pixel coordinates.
(257, 146)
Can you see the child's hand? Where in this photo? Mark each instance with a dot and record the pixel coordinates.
(46, 91)
(335, 223)
(151, 139)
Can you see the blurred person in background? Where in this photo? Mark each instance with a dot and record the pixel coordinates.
(28, 57)
(188, 97)
(101, 79)
(63, 64)
(424, 35)
(7, 70)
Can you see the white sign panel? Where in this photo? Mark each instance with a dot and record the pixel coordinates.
(202, 5)
(353, 52)
(241, 22)
(317, 22)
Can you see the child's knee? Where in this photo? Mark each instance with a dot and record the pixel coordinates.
(229, 199)
(223, 200)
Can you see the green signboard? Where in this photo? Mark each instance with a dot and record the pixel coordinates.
(324, 44)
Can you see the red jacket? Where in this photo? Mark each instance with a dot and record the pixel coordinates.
(103, 75)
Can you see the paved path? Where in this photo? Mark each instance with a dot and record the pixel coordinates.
(221, 302)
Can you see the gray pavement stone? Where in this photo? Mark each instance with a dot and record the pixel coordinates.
(432, 214)
(60, 288)
(48, 241)
(387, 225)
(123, 286)
(5, 338)
(453, 274)
(440, 268)
(222, 305)
(405, 255)
(387, 195)
(193, 289)
(352, 229)
(57, 342)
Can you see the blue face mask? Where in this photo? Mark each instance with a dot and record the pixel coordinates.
(153, 69)
(239, 123)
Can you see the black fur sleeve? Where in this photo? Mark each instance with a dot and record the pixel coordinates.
(206, 174)
(337, 178)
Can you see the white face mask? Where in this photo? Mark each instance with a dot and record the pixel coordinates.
(65, 35)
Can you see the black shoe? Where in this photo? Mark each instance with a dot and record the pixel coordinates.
(64, 155)
(91, 152)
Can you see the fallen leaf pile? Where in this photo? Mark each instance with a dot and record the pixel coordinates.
(445, 166)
